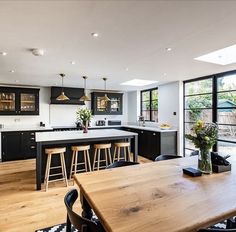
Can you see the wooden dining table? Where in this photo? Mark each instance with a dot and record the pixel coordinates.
(157, 197)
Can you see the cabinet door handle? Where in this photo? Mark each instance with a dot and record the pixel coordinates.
(154, 133)
(31, 133)
(32, 147)
(32, 138)
(141, 132)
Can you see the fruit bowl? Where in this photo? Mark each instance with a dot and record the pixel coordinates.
(165, 126)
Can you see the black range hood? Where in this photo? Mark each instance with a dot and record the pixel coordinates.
(74, 95)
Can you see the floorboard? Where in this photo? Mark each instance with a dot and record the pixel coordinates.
(24, 209)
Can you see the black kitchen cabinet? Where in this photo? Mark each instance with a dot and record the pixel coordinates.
(19, 101)
(154, 143)
(101, 107)
(18, 145)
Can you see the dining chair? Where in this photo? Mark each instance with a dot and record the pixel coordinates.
(167, 157)
(121, 163)
(217, 230)
(80, 223)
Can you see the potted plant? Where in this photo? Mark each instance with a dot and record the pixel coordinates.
(204, 136)
(84, 116)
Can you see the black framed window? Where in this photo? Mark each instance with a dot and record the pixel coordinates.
(212, 99)
(149, 104)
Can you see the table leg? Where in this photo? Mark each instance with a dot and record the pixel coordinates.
(38, 166)
(87, 211)
(135, 158)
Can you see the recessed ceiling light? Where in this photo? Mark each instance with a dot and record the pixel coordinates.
(12, 71)
(222, 56)
(164, 74)
(138, 82)
(94, 34)
(3, 53)
(72, 62)
(17, 81)
(168, 49)
(127, 69)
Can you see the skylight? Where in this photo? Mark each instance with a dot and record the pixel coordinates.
(222, 56)
(138, 82)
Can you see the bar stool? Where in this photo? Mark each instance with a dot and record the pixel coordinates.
(118, 146)
(50, 152)
(107, 148)
(74, 162)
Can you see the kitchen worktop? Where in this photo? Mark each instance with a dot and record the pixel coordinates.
(26, 128)
(76, 135)
(148, 128)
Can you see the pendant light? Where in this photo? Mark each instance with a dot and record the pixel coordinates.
(105, 98)
(62, 96)
(85, 97)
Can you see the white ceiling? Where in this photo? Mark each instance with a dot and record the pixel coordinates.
(132, 34)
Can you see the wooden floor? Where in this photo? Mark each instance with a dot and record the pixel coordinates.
(24, 209)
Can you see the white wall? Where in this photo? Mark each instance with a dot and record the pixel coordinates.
(168, 103)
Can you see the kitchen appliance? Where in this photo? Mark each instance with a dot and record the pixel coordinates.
(141, 121)
(100, 123)
(114, 122)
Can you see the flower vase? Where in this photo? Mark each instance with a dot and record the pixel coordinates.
(204, 161)
(85, 127)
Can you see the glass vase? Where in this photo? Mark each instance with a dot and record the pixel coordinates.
(85, 126)
(204, 161)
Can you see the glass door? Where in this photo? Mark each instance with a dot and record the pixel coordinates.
(115, 104)
(7, 102)
(101, 104)
(27, 102)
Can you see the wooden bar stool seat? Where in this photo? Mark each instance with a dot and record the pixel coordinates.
(86, 159)
(97, 155)
(50, 152)
(117, 150)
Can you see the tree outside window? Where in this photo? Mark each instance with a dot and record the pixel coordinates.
(149, 104)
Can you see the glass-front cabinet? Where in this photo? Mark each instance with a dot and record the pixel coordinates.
(113, 106)
(19, 101)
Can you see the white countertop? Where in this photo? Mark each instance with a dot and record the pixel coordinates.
(148, 128)
(8, 129)
(70, 135)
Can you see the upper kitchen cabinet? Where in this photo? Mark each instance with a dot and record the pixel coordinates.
(74, 95)
(102, 107)
(19, 101)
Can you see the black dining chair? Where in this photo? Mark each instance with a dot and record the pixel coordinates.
(121, 163)
(194, 153)
(217, 230)
(80, 223)
(167, 157)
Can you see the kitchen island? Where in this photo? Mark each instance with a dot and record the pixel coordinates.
(69, 138)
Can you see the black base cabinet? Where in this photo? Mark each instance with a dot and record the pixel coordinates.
(152, 144)
(18, 145)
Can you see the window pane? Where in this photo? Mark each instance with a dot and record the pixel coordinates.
(146, 96)
(198, 114)
(188, 143)
(154, 94)
(225, 148)
(226, 116)
(146, 105)
(226, 83)
(227, 132)
(154, 105)
(155, 115)
(196, 87)
(227, 99)
(200, 101)
(146, 114)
